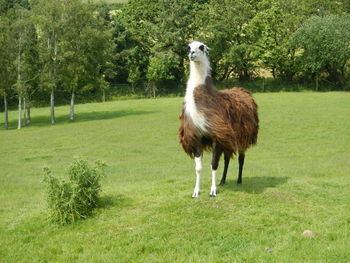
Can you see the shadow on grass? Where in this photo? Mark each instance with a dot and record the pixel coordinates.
(114, 201)
(255, 185)
(42, 121)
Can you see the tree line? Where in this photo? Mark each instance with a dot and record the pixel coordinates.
(79, 47)
(48, 46)
(291, 39)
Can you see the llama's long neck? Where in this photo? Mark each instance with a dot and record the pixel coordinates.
(199, 71)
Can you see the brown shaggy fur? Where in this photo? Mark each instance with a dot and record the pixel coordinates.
(232, 121)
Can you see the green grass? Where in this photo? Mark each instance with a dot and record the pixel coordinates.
(296, 178)
(112, 1)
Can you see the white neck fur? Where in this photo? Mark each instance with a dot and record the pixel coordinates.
(199, 71)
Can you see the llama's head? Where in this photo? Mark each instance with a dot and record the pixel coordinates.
(198, 51)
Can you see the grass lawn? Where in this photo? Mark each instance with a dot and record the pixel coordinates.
(296, 178)
(112, 1)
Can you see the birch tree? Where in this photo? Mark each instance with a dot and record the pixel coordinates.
(85, 49)
(49, 21)
(77, 17)
(5, 70)
(18, 37)
(32, 71)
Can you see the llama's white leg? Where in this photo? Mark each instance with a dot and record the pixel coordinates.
(213, 184)
(198, 161)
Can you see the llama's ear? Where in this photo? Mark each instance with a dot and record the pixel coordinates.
(204, 48)
(207, 49)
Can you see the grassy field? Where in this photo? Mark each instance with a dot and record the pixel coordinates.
(112, 1)
(296, 178)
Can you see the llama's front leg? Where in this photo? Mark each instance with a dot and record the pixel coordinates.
(213, 184)
(198, 161)
(217, 151)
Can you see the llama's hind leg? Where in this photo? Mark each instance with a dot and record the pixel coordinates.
(198, 160)
(241, 163)
(217, 151)
(223, 178)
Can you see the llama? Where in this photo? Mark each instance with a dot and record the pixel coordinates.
(221, 121)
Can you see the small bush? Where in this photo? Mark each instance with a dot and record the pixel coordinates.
(75, 199)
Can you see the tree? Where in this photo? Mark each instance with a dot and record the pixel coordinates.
(48, 14)
(6, 71)
(172, 30)
(160, 68)
(134, 76)
(31, 73)
(131, 54)
(147, 31)
(228, 32)
(73, 45)
(20, 40)
(324, 43)
(21, 57)
(132, 36)
(275, 21)
(85, 49)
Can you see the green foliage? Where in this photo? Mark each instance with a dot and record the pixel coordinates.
(161, 66)
(85, 47)
(227, 30)
(20, 38)
(151, 32)
(47, 15)
(244, 36)
(275, 22)
(325, 43)
(6, 66)
(71, 200)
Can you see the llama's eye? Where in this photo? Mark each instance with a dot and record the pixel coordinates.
(201, 47)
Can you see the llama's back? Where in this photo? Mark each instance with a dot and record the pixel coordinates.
(242, 111)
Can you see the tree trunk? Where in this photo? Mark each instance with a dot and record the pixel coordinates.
(243, 75)
(28, 112)
(6, 113)
(19, 112)
(225, 74)
(263, 85)
(52, 107)
(334, 75)
(24, 111)
(71, 115)
(53, 78)
(19, 85)
(246, 75)
(274, 73)
(316, 82)
(103, 95)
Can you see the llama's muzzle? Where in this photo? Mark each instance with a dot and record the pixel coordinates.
(191, 56)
